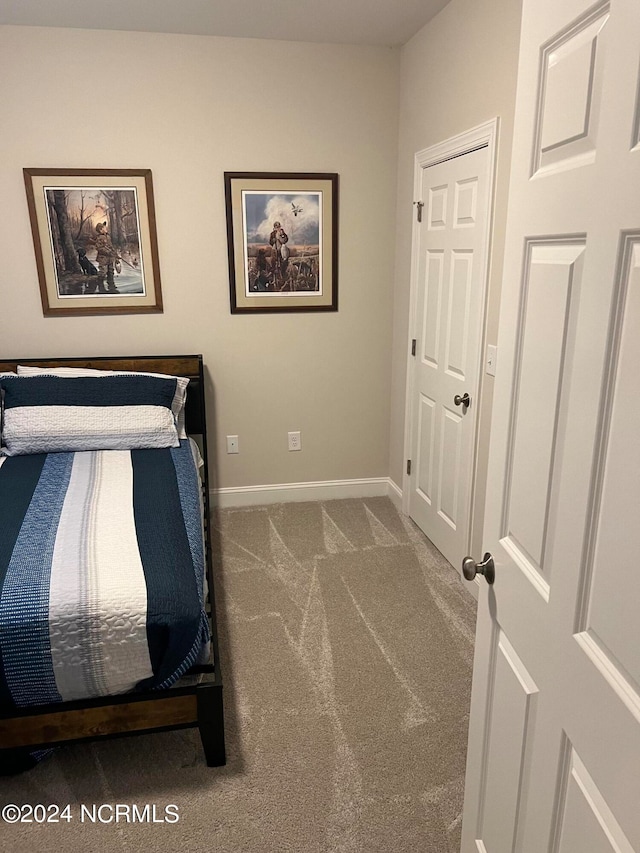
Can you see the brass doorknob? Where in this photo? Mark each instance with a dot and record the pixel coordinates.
(487, 568)
(465, 400)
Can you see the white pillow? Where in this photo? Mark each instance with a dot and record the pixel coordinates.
(179, 400)
(56, 414)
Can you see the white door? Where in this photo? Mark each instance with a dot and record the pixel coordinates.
(451, 268)
(554, 748)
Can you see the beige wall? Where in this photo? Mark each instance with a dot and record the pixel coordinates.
(456, 73)
(190, 108)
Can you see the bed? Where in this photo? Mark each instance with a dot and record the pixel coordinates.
(108, 624)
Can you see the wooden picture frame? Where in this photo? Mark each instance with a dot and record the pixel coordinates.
(94, 235)
(282, 232)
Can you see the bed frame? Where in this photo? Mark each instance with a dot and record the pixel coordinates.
(200, 704)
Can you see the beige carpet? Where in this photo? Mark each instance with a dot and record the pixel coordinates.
(347, 643)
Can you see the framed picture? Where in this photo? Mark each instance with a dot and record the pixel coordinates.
(282, 230)
(94, 234)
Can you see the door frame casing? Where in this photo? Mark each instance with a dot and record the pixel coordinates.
(483, 135)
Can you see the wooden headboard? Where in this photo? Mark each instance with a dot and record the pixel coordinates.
(175, 365)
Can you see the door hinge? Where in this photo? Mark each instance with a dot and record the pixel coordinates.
(408, 466)
(413, 347)
(419, 205)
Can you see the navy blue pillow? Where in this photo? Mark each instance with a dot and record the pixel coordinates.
(45, 414)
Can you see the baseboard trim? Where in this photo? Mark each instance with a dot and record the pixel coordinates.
(395, 493)
(320, 491)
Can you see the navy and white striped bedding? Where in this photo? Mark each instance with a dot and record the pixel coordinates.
(101, 573)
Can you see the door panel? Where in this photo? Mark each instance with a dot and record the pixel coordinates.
(585, 822)
(611, 617)
(569, 105)
(458, 314)
(449, 474)
(465, 204)
(563, 494)
(426, 432)
(513, 696)
(438, 196)
(434, 268)
(551, 288)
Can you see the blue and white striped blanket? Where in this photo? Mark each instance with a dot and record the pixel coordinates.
(101, 573)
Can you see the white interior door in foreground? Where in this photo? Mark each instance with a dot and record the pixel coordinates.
(554, 748)
(451, 271)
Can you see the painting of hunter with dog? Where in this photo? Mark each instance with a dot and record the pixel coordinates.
(95, 242)
(282, 240)
(94, 237)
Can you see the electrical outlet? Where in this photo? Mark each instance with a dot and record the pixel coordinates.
(295, 441)
(232, 444)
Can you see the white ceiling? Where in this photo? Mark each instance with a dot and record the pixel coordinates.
(379, 22)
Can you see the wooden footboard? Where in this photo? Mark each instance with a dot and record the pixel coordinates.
(71, 722)
(63, 726)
